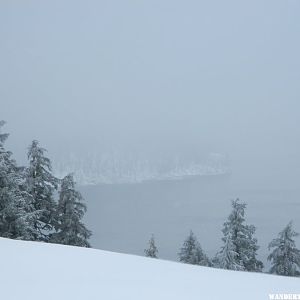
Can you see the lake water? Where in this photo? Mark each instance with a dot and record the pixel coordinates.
(123, 217)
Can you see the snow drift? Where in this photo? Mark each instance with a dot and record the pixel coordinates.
(32, 270)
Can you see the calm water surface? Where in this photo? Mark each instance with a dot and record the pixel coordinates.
(122, 217)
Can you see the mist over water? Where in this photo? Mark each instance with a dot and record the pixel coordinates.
(156, 78)
(159, 85)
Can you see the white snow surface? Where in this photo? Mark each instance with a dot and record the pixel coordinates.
(32, 270)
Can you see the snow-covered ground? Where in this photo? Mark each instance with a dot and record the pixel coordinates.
(31, 270)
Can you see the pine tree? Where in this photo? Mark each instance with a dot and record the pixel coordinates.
(70, 229)
(227, 258)
(285, 258)
(152, 250)
(240, 247)
(16, 209)
(192, 253)
(41, 185)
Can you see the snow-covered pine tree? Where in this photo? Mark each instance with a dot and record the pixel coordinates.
(41, 185)
(16, 209)
(152, 250)
(285, 258)
(70, 230)
(192, 253)
(227, 258)
(240, 247)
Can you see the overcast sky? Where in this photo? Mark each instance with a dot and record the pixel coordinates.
(212, 76)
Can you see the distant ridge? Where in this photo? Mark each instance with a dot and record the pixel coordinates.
(115, 169)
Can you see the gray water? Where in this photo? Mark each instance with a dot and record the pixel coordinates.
(123, 217)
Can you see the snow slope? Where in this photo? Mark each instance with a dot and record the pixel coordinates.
(31, 270)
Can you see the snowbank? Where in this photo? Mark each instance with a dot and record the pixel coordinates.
(31, 270)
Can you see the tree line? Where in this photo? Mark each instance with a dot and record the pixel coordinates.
(37, 206)
(239, 249)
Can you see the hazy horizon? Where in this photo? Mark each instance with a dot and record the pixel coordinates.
(156, 78)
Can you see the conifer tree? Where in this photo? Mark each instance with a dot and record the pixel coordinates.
(192, 253)
(70, 230)
(16, 209)
(152, 250)
(41, 185)
(227, 258)
(285, 258)
(240, 247)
